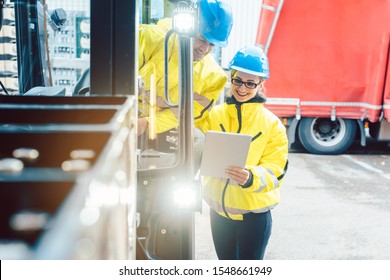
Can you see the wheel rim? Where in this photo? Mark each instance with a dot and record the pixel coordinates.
(328, 133)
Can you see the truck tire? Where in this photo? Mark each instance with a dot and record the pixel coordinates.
(326, 137)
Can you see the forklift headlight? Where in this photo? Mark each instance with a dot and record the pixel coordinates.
(184, 20)
(185, 198)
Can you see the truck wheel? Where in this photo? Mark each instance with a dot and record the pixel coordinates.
(326, 137)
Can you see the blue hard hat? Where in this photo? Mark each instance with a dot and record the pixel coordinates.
(216, 21)
(251, 60)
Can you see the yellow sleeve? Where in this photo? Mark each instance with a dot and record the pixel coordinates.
(165, 120)
(209, 81)
(150, 40)
(269, 174)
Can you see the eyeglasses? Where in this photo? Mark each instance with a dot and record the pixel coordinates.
(250, 85)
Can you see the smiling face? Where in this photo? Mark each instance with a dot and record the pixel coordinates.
(245, 86)
(201, 48)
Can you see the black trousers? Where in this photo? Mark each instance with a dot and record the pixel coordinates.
(241, 240)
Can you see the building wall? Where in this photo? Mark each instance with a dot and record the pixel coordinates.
(246, 17)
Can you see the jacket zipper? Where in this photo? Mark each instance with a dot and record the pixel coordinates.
(238, 106)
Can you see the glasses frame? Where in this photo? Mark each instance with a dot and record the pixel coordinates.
(238, 82)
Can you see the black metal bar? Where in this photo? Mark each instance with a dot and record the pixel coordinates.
(186, 106)
(101, 47)
(114, 37)
(146, 11)
(186, 135)
(125, 48)
(30, 68)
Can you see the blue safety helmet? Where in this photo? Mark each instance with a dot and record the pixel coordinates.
(216, 21)
(251, 60)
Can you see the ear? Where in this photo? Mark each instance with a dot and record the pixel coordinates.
(262, 86)
(261, 90)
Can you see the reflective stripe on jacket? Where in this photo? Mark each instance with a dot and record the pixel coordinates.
(267, 158)
(209, 78)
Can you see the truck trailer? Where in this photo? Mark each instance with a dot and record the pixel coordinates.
(330, 75)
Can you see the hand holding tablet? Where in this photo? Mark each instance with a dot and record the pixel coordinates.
(221, 150)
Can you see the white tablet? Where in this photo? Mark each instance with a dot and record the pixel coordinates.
(221, 150)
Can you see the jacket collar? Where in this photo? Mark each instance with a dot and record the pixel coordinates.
(256, 99)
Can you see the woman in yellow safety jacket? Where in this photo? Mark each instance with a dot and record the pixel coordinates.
(240, 212)
(209, 78)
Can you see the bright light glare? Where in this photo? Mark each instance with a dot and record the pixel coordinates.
(184, 23)
(184, 198)
(89, 216)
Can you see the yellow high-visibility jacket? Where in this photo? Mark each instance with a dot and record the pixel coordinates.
(209, 78)
(267, 158)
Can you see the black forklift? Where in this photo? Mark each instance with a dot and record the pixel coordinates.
(75, 182)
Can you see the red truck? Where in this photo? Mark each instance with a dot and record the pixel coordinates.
(330, 71)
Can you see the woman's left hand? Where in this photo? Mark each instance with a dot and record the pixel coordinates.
(238, 174)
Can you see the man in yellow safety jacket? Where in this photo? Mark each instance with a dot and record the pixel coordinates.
(209, 78)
